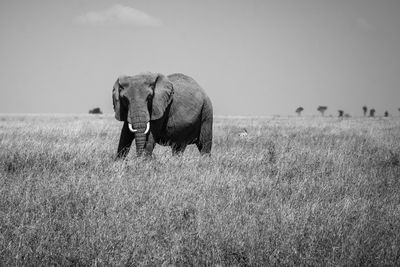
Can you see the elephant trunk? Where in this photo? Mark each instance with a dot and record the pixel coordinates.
(140, 130)
(139, 124)
(140, 141)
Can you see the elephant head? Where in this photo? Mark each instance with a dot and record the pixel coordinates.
(138, 100)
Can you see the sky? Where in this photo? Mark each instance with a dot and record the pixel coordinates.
(252, 57)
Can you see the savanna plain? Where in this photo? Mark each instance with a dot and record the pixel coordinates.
(296, 191)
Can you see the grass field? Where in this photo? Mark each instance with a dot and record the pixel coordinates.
(297, 191)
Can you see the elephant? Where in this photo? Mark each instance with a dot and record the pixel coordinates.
(168, 110)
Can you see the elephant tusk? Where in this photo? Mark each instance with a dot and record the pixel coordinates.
(147, 128)
(131, 128)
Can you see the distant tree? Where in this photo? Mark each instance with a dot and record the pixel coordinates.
(386, 114)
(95, 111)
(340, 113)
(299, 110)
(347, 115)
(322, 109)
(372, 112)
(365, 110)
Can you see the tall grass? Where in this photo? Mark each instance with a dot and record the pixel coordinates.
(297, 191)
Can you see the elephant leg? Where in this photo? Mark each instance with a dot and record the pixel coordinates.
(204, 142)
(178, 149)
(125, 141)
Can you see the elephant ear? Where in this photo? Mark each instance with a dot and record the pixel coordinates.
(163, 92)
(121, 112)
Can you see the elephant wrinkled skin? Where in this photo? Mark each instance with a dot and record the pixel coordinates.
(173, 111)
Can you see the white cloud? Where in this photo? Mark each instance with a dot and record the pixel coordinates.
(119, 14)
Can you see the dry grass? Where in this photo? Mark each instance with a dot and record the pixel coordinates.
(297, 191)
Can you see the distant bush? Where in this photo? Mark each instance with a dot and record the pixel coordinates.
(95, 111)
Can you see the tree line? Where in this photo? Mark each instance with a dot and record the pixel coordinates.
(341, 113)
